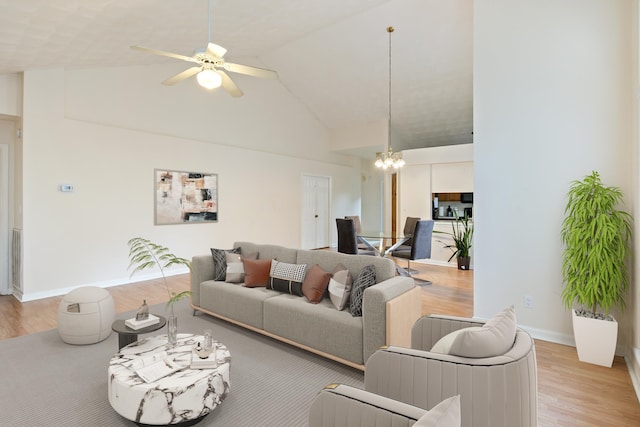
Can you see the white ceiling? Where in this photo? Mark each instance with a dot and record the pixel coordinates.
(331, 54)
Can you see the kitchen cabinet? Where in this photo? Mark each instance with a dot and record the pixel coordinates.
(447, 197)
(452, 177)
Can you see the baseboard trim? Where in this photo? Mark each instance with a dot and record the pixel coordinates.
(32, 296)
(633, 365)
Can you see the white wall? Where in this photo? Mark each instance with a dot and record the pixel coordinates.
(10, 94)
(108, 151)
(375, 134)
(553, 99)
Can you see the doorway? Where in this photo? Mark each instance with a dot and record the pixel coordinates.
(315, 211)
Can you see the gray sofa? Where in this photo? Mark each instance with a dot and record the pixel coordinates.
(389, 309)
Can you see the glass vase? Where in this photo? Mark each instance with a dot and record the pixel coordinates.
(172, 330)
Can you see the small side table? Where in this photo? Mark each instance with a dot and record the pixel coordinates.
(126, 335)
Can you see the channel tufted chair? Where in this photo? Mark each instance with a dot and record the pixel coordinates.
(495, 391)
(339, 405)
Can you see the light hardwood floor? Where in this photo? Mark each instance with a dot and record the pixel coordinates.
(570, 393)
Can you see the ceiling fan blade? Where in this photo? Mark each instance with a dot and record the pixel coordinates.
(250, 71)
(215, 50)
(229, 85)
(181, 76)
(163, 53)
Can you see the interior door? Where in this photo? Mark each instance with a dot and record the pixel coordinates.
(315, 211)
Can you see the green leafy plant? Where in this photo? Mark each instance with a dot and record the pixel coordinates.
(462, 236)
(144, 254)
(596, 237)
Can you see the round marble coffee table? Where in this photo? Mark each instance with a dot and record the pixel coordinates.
(182, 397)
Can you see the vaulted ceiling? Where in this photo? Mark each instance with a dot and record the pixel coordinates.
(331, 54)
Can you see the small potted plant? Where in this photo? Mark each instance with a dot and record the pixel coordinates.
(144, 254)
(462, 236)
(596, 236)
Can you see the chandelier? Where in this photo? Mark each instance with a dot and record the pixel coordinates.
(389, 159)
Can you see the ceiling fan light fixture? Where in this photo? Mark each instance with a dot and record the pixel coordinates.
(209, 79)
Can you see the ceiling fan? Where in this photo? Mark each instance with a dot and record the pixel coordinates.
(211, 67)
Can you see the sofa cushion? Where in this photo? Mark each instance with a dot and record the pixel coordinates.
(444, 414)
(220, 262)
(280, 253)
(315, 283)
(492, 339)
(237, 303)
(285, 277)
(385, 267)
(340, 286)
(318, 326)
(256, 272)
(366, 278)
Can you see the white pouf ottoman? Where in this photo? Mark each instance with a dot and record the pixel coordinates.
(85, 315)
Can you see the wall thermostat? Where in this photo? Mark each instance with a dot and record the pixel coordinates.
(66, 188)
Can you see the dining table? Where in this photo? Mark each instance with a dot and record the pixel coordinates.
(380, 238)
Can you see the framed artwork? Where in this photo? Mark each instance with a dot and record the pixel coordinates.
(185, 197)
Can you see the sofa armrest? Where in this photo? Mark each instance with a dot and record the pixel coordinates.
(374, 311)
(339, 405)
(202, 269)
(427, 330)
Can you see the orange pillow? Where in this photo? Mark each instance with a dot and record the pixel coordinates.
(256, 272)
(315, 284)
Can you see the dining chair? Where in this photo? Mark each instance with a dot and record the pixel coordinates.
(409, 227)
(348, 240)
(421, 244)
(362, 243)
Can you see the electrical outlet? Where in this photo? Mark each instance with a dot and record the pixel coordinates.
(528, 301)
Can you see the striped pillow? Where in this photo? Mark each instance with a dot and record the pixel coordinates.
(285, 277)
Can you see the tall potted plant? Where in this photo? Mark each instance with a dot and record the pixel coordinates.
(462, 236)
(596, 238)
(144, 254)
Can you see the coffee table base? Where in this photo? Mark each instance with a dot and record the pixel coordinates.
(182, 424)
(181, 398)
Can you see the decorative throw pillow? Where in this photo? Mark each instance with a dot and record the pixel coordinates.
(315, 284)
(235, 268)
(492, 339)
(220, 262)
(366, 277)
(340, 286)
(285, 277)
(444, 414)
(256, 272)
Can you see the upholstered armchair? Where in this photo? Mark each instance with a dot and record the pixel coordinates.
(339, 405)
(496, 377)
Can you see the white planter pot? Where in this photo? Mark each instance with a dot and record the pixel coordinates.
(595, 339)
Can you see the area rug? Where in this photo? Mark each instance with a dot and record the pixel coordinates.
(45, 382)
